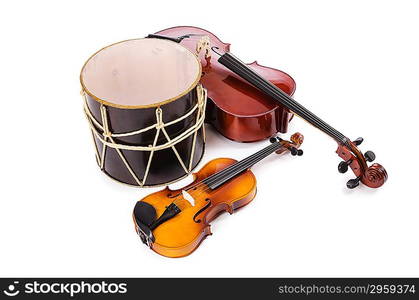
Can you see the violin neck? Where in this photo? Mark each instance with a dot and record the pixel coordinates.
(235, 169)
(241, 69)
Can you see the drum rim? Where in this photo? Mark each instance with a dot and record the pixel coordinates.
(157, 104)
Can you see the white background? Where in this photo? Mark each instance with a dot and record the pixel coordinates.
(356, 66)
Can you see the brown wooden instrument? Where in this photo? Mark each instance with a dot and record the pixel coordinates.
(236, 109)
(241, 113)
(174, 222)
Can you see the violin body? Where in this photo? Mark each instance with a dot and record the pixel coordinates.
(173, 223)
(238, 110)
(182, 234)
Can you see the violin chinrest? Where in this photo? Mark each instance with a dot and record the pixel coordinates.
(144, 213)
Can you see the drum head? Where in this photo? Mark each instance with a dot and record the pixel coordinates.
(140, 73)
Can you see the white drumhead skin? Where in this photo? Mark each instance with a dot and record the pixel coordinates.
(140, 73)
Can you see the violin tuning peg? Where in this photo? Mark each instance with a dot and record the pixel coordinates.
(358, 141)
(343, 166)
(369, 156)
(353, 183)
(294, 151)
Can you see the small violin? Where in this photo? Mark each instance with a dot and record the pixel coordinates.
(250, 102)
(173, 223)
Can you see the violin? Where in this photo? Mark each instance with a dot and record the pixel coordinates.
(173, 223)
(249, 102)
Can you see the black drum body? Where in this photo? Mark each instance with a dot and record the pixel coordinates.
(151, 144)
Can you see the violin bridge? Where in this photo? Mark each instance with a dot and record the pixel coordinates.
(188, 197)
(203, 45)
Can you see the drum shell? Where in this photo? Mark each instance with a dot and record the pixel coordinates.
(165, 166)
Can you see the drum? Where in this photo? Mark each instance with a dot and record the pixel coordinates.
(146, 110)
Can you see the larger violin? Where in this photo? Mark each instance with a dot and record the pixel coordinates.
(250, 102)
(236, 109)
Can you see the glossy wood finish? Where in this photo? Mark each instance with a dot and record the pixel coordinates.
(181, 235)
(236, 109)
(372, 176)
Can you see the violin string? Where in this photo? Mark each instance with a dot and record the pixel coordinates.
(291, 103)
(304, 113)
(237, 164)
(288, 100)
(260, 155)
(195, 193)
(241, 164)
(226, 170)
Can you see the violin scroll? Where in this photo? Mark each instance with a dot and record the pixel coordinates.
(375, 176)
(297, 139)
(372, 176)
(292, 145)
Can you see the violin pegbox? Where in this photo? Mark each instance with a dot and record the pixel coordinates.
(372, 176)
(292, 145)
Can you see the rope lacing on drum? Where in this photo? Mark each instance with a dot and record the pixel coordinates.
(106, 136)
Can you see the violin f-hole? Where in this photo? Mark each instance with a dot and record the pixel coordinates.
(201, 210)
